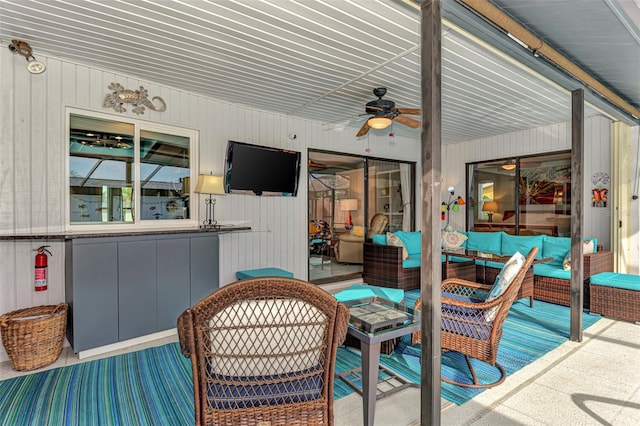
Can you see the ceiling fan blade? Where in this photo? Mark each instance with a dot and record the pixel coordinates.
(407, 121)
(412, 111)
(364, 129)
(314, 165)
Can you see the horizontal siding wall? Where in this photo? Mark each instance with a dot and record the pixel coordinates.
(557, 137)
(33, 144)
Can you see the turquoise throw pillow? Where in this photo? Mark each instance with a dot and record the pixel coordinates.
(556, 247)
(521, 243)
(412, 241)
(379, 239)
(485, 241)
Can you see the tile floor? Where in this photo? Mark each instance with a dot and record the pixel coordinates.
(594, 382)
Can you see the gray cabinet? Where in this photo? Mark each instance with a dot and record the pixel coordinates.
(93, 305)
(137, 290)
(123, 287)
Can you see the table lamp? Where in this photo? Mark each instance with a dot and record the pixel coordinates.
(347, 205)
(490, 207)
(210, 184)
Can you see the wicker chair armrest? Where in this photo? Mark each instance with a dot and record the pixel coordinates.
(185, 333)
(594, 263)
(342, 323)
(461, 286)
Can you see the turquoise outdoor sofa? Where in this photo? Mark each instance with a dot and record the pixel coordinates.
(383, 264)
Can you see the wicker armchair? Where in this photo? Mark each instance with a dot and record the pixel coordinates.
(474, 328)
(263, 352)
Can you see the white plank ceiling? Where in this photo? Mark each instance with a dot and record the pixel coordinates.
(313, 59)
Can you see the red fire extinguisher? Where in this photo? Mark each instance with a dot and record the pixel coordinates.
(41, 268)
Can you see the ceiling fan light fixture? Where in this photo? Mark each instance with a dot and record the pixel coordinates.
(379, 122)
(509, 165)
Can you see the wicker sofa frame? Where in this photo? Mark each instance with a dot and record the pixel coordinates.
(613, 302)
(382, 266)
(558, 291)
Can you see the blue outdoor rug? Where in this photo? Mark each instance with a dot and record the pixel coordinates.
(154, 386)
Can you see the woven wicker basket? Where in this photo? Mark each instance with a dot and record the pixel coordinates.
(33, 337)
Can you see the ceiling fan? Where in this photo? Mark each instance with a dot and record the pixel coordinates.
(384, 112)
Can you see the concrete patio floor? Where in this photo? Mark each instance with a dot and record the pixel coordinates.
(594, 382)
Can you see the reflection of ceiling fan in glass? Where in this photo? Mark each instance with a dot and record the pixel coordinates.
(321, 182)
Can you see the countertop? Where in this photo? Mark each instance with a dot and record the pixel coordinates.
(133, 233)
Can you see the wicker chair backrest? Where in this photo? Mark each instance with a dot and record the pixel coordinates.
(264, 349)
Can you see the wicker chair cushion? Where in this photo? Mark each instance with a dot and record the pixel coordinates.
(394, 240)
(503, 281)
(506, 276)
(464, 321)
(284, 347)
(247, 392)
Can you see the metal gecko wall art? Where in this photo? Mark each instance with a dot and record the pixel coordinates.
(138, 98)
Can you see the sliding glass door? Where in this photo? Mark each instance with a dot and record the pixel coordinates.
(522, 196)
(351, 197)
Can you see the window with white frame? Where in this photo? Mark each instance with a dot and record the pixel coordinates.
(128, 171)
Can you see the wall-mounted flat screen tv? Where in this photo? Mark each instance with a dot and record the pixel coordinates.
(261, 170)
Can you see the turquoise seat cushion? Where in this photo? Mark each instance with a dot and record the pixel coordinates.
(485, 241)
(412, 241)
(379, 239)
(361, 291)
(556, 247)
(613, 279)
(263, 272)
(455, 259)
(551, 270)
(412, 262)
(522, 244)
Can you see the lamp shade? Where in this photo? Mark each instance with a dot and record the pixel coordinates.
(348, 204)
(490, 206)
(209, 184)
(379, 122)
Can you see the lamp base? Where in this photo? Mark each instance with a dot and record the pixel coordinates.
(348, 225)
(490, 216)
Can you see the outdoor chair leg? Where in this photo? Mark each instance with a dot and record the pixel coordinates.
(476, 383)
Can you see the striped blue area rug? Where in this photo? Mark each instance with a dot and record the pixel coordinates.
(154, 386)
(528, 333)
(149, 387)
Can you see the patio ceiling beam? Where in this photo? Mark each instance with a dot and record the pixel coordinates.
(503, 21)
